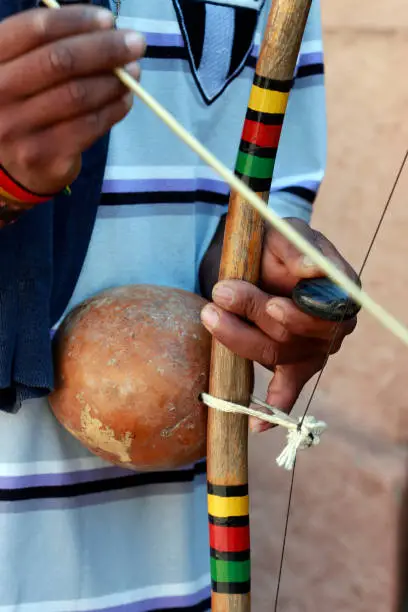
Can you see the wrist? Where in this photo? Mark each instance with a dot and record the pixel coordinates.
(12, 191)
(15, 199)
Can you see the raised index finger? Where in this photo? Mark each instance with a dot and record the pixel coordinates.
(29, 30)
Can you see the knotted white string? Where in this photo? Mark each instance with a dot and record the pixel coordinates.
(302, 432)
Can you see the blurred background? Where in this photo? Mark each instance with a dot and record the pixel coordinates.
(346, 543)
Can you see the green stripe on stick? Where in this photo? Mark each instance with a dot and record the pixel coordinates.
(255, 167)
(230, 571)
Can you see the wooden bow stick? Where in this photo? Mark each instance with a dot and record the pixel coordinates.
(231, 376)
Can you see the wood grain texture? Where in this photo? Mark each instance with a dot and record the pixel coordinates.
(231, 377)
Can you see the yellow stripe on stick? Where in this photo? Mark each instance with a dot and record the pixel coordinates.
(268, 101)
(222, 507)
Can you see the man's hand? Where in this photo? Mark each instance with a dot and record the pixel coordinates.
(264, 325)
(57, 91)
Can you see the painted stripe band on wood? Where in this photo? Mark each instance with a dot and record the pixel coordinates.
(244, 555)
(227, 490)
(261, 134)
(229, 539)
(253, 149)
(273, 84)
(229, 521)
(254, 166)
(267, 101)
(265, 118)
(231, 588)
(230, 571)
(224, 507)
(260, 186)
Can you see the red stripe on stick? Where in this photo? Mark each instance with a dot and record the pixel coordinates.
(229, 539)
(261, 134)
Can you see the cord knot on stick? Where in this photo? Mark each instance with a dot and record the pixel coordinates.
(303, 432)
(306, 434)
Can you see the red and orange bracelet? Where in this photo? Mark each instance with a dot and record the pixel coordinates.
(10, 189)
(15, 199)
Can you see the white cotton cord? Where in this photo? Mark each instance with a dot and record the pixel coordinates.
(302, 433)
(282, 416)
(277, 418)
(306, 435)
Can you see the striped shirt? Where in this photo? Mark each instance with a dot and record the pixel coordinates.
(77, 533)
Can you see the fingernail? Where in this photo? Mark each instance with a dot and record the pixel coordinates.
(135, 42)
(128, 99)
(105, 18)
(257, 426)
(134, 69)
(308, 263)
(223, 295)
(210, 317)
(275, 311)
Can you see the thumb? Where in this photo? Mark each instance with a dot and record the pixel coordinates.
(285, 387)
